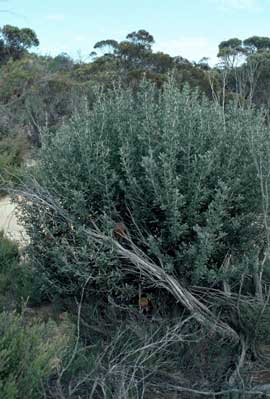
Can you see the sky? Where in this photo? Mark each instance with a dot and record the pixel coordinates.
(190, 28)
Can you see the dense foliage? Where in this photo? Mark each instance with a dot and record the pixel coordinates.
(14, 42)
(13, 151)
(30, 354)
(173, 168)
(17, 284)
(148, 218)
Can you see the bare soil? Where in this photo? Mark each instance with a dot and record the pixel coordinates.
(9, 221)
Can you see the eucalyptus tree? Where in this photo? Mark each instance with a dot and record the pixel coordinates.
(14, 42)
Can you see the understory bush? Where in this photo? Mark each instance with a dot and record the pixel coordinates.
(12, 153)
(17, 284)
(29, 355)
(184, 178)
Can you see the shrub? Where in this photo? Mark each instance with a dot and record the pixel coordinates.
(17, 283)
(37, 92)
(180, 173)
(29, 354)
(9, 263)
(9, 252)
(12, 153)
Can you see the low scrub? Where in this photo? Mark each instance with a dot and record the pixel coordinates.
(17, 281)
(29, 355)
(12, 153)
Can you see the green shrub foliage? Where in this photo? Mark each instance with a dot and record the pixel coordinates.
(12, 153)
(9, 266)
(172, 166)
(17, 283)
(29, 354)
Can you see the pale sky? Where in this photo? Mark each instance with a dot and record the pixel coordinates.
(190, 28)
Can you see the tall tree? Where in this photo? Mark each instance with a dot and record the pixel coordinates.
(257, 43)
(108, 46)
(231, 52)
(133, 52)
(14, 42)
(141, 38)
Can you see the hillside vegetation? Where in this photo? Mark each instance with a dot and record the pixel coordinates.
(147, 270)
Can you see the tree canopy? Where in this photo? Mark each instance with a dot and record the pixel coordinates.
(14, 42)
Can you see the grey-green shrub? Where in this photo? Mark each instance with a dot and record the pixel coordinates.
(182, 167)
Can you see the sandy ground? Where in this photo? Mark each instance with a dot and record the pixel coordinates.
(9, 222)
